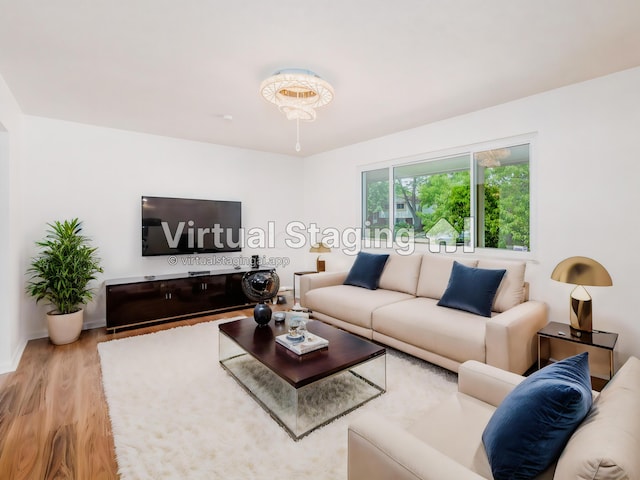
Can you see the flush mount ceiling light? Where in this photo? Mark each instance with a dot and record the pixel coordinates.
(297, 93)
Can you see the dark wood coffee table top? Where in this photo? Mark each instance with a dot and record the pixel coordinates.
(344, 351)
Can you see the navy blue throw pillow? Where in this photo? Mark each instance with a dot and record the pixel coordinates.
(366, 270)
(532, 425)
(471, 289)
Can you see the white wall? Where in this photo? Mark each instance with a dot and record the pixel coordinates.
(12, 341)
(585, 172)
(99, 174)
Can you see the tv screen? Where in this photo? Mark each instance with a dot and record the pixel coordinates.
(175, 226)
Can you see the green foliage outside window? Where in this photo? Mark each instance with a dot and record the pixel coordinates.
(376, 208)
(507, 206)
(446, 195)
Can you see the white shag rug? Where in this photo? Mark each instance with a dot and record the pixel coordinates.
(176, 414)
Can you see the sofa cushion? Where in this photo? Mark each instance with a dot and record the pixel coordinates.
(366, 270)
(511, 290)
(532, 425)
(606, 444)
(453, 334)
(349, 303)
(471, 289)
(435, 271)
(401, 273)
(454, 427)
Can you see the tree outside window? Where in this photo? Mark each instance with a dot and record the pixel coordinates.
(375, 194)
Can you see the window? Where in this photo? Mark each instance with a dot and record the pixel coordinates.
(502, 193)
(375, 201)
(438, 198)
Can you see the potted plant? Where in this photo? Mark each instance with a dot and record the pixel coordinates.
(60, 275)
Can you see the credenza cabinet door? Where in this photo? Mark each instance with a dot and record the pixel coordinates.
(141, 302)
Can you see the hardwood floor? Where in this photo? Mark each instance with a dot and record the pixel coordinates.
(54, 421)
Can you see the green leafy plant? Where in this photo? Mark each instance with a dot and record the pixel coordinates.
(61, 273)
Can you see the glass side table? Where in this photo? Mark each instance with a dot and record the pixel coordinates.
(556, 342)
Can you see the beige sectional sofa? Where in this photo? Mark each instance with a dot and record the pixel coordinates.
(447, 441)
(403, 312)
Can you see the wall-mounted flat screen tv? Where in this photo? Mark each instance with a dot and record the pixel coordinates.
(177, 226)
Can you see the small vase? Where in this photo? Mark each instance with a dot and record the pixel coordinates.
(262, 313)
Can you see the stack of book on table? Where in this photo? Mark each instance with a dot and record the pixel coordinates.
(304, 344)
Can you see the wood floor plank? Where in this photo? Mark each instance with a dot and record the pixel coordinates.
(62, 462)
(9, 403)
(54, 419)
(24, 449)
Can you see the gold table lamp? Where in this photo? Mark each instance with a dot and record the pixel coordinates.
(319, 248)
(581, 271)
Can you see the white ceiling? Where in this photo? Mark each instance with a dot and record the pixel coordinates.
(174, 68)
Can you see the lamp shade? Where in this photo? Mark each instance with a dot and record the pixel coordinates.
(582, 271)
(319, 248)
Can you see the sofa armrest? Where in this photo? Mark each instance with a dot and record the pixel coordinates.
(381, 450)
(319, 280)
(486, 383)
(511, 336)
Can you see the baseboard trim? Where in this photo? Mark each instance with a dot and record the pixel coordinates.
(13, 364)
(99, 323)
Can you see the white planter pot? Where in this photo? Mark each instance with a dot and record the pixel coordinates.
(65, 328)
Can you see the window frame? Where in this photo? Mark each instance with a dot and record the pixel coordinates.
(470, 150)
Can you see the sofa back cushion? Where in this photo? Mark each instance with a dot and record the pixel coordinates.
(511, 291)
(435, 271)
(401, 273)
(607, 444)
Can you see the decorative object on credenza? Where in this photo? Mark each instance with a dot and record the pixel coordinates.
(297, 93)
(261, 286)
(60, 275)
(319, 248)
(581, 271)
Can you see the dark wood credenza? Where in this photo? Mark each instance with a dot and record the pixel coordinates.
(137, 301)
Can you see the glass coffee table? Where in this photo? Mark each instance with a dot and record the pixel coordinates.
(302, 392)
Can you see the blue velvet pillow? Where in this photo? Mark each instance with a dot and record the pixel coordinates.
(366, 270)
(532, 425)
(471, 289)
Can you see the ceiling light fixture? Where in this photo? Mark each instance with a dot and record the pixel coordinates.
(297, 93)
